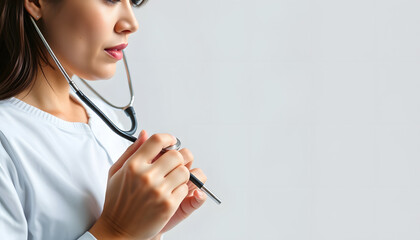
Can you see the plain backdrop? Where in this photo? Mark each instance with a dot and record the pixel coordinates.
(304, 114)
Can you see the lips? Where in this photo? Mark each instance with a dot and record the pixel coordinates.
(116, 51)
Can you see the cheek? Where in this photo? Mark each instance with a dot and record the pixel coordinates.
(79, 42)
(90, 59)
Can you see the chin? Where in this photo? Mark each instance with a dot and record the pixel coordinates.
(98, 75)
(108, 72)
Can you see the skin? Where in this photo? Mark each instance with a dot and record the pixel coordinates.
(147, 193)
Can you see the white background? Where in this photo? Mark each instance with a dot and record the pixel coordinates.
(304, 114)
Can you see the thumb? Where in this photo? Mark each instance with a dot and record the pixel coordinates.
(127, 154)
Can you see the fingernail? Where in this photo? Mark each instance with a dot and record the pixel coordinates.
(200, 193)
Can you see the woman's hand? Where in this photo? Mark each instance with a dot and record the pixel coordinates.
(195, 197)
(142, 194)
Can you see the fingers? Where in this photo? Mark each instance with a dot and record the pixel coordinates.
(196, 198)
(188, 157)
(192, 203)
(171, 159)
(196, 202)
(167, 162)
(179, 176)
(127, 154)
(200, 175)
(152, 146)
(180, 192)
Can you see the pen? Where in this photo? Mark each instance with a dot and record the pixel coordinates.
(193, 178)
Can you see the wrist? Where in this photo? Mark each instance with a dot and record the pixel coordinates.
(104, 230)
(157, 237)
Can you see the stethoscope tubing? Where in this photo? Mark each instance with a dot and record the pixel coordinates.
(129, 110)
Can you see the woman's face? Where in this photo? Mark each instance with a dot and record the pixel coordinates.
(79, 31)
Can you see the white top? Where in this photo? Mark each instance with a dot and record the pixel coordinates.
(53, 173)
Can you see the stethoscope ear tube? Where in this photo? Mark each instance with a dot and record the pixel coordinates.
(129, 111)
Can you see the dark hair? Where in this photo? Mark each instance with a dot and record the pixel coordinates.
(21, 50)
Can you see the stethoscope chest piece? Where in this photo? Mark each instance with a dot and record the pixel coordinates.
(176, 146)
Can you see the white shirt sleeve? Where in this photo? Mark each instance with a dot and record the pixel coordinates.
(12, 217)
(87, 236)
(13, 223)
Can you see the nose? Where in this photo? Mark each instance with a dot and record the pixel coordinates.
(127, 22)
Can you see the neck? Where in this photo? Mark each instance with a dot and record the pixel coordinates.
(50, 93)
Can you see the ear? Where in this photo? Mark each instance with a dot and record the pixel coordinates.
(34, 8)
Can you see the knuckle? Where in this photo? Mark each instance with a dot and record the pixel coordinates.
(176, 156)
(156, 193)
(146, 179)
(188, 154)
(167, 204)
(179, 157)
(156, 138)
(132, 167)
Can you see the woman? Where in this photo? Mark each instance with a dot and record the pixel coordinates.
(63, 173)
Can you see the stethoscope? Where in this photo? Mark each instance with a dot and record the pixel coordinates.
(128, 109)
